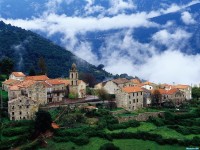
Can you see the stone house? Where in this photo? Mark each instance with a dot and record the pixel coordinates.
(130, 98)
(174, 95)
(7, 83)
(21, 104)
(22, 108)
(17, 76)
(147, 97)
(149, 85)
(186, 89)
(56, 90)
(112, 86)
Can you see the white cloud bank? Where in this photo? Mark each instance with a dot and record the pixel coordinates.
(120, 52)
(171, 66)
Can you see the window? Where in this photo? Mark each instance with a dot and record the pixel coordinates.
(20, 107)
(13, 107)
(137, 100)
(137, 94)
(133, 100)
(20, 112)
(13, 113)
(129, 97)
(20, 101)
(141, 93)
(129, 102)
(133, 94)
(27, 106)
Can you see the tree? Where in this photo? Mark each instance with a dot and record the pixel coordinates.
(42, 66)
(43, 121)
(100, 67)
(156, 98)
(102, 94)
(32, 71)
(196, 92)
(88, 78)
(6, 65)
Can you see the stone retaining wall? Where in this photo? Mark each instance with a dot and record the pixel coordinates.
(141, 117)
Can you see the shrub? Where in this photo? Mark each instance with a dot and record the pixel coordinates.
(156, 121)
(60, 139)
(15, 131)
(109, 146)
(80, 140)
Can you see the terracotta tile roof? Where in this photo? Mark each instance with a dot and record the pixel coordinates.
(54, 125)
(37, 78)
(148, 83)
(136, 81)
(10, 82)
(54, 82)
(132, 89)
(181, 86)
(18, 74)
(120, 80)
(168, 92)
(46, 84)
(65, 81)
(26, 83)
(14, 88)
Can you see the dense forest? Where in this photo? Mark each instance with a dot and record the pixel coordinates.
(25, 48)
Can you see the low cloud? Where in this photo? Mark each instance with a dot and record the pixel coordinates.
(119, 6)
(187, 18)
(172, 39)
(171, 66)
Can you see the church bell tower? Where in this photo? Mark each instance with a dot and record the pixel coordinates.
(73, 76)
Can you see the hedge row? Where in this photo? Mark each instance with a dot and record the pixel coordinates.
(79, 140)
(13, 142)
(19, 123)
(124, 125)
(9, 132)
(186, 130)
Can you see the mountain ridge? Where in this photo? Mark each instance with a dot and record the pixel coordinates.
(26, 47)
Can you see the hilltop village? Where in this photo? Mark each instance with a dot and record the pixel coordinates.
(27, 93)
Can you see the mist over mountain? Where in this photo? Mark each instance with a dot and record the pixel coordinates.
(25, 48)
(155, 40)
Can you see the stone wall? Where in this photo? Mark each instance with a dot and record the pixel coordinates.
(141, 117)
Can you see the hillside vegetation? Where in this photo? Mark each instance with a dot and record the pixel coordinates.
(26, 47)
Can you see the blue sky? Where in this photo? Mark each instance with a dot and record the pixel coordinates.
(117, 21)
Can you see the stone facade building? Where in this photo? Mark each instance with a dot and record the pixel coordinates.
(130, 98)
(174, 95)
(17, 76)
(186, 89)
(26, 96)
